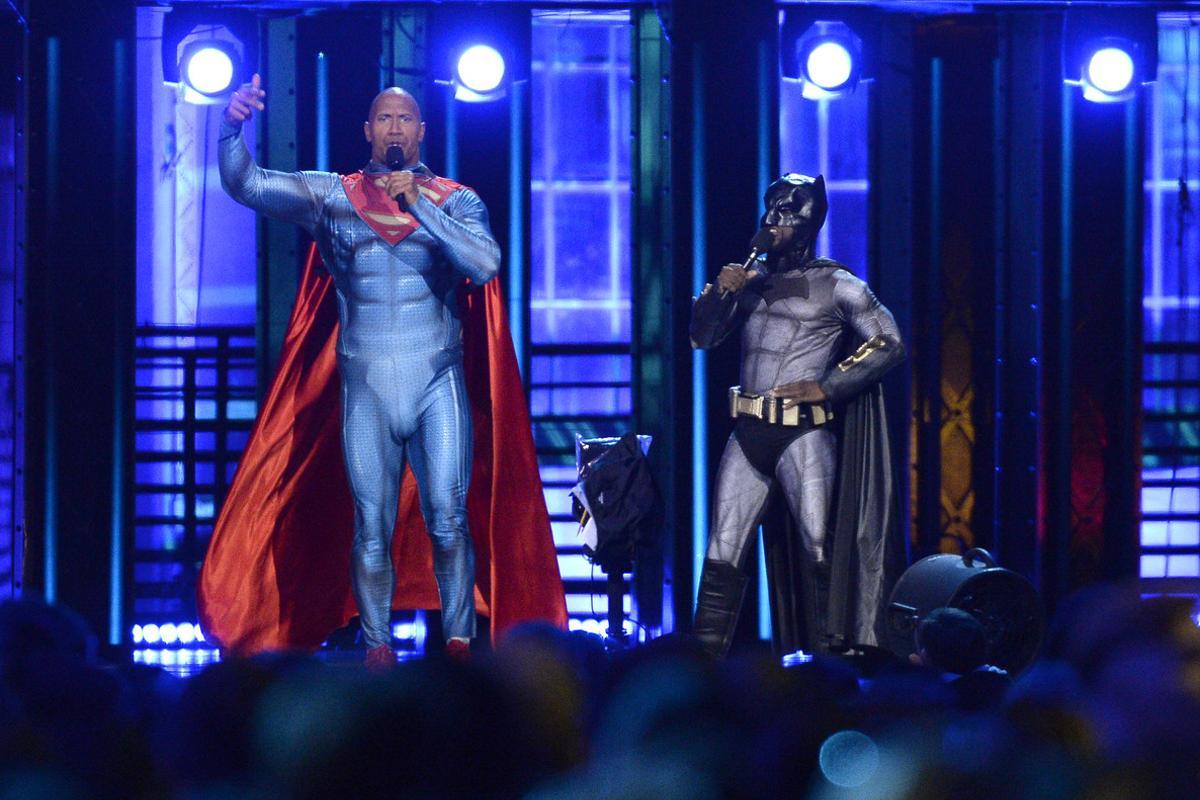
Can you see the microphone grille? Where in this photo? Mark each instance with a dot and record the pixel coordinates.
(395, 157)
(762, 241)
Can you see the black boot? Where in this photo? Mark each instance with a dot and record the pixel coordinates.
(722, 587)
(824, 635)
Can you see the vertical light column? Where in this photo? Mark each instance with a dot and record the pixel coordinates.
(767, 72)
(518, 217)
(451, 133)
(322, 113)
(700, 497)
(123, 308)
(50, 521)
(19, 328)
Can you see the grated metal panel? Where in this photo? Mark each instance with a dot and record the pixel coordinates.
(195, 404)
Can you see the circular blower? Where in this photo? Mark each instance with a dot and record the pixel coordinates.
(1005, 602)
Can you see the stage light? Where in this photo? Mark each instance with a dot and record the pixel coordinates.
(829, 65)
(168, 633)
(826, 59)
(1109, 72)
(1109, 53)
(208, 70)
(480, 68)
(186, 633)
(207, 64)
(150, 634)
(480, 74)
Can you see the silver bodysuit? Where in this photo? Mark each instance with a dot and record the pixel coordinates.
(400, 358)
(794, 325)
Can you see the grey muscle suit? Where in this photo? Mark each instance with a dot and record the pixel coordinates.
(400, 358)
(793, 331)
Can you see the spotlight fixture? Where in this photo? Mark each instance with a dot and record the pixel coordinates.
(209, 67)
(481, 68)
(829, 65)
(206, 65)
(1109, 53)
(826, 59)
(479, 74)
(1109, 71)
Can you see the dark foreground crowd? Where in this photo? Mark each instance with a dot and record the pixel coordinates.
(1110, 710)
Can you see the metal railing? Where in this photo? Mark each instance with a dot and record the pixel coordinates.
(195, 394)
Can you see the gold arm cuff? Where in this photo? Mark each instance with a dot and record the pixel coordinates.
(862, 353)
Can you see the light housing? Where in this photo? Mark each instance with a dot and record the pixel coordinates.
(207, 53)
(210, 67)
(1109, 72)
(1109, 53)
(827, 59)
(480, 70)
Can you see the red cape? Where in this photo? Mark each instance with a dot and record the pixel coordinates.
(277, 572)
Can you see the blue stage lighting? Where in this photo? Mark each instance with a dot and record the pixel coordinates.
(209, 70)
(209, 64)
(1110, 69)
(797, 658)
(1109, 72)
(1109, 53)
(480, 69)
(829, 65)
(826, 59)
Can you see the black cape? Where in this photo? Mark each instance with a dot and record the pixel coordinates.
(866, 549)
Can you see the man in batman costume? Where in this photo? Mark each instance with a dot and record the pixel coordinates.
(808, 420)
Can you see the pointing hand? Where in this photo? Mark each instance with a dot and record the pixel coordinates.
(243, 101)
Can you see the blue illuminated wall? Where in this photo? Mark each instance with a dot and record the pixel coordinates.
(195, 356)
(1170, 528)
(11, 540)
(580, 316)
(829, 137)
(196, 246)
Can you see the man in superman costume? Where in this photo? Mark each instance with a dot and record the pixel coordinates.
(294, 542)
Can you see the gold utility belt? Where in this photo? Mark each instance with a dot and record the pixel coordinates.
(770, 409)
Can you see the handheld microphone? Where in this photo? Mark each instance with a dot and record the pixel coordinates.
(395, 162)
(760, 244)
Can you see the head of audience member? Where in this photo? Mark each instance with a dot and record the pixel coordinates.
(445, 730)
(30, 629)
(951, 640)
(554, 675)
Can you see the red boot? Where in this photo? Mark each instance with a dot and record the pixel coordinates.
(380, 659)
(458, 651)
